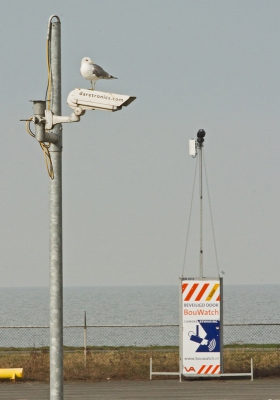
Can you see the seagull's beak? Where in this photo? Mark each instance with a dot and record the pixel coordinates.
(91, 62)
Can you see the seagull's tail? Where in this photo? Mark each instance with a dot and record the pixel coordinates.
(113, 77)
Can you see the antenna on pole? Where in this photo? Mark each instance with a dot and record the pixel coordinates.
(195, 146)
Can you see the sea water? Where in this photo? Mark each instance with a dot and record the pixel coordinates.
(245, 304)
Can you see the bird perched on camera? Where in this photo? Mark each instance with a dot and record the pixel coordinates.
(93, 72)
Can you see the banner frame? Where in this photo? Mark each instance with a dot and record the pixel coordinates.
(181, 359)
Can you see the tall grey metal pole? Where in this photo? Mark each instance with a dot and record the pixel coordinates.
(55, 188)
(200, 139)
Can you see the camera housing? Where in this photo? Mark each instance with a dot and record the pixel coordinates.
(94, 100)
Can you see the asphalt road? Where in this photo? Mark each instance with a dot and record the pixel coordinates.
(259, 389)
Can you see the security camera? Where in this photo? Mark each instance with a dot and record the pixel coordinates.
(94, 100)
(200, 136)
(81, 100)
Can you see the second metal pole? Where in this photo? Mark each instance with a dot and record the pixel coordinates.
(201, 214)
(199, 142)
(56, 277)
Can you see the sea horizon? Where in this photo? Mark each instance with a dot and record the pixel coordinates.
(149, 304)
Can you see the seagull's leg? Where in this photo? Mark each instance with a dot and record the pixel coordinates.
(92, 85)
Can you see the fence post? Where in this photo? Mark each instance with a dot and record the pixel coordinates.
(85, 339)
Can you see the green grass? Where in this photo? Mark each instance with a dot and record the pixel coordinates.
(253, 346)
(132, 363)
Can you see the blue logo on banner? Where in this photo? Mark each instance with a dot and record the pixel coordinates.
(211, 342)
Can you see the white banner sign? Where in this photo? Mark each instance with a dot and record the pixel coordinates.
(201, 327)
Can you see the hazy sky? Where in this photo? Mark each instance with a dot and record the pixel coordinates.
(127, 176)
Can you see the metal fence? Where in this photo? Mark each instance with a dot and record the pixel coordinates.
(22, 337)
(85, 349)
(98, 336)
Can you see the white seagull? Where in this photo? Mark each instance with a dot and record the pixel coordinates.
(93, 72)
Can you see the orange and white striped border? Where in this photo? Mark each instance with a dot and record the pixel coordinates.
(201, 291)
(209, 370)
